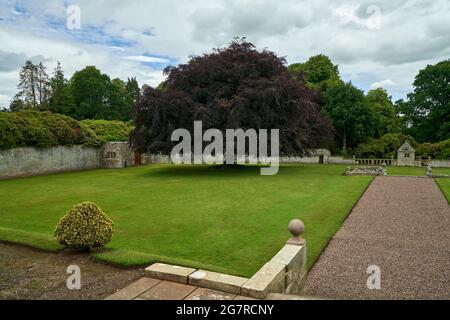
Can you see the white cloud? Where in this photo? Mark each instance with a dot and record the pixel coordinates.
(383, 84)
(4, 101)
(128, 38)
(147, 59)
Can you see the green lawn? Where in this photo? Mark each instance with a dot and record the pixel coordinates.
(414, 171)
(406, 171)
(444, 184)
(224, 220)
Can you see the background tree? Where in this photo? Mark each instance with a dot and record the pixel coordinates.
(234, 87)
(384, 147)
(347, 108)
(132, 90)
(89, 94)
(61, 100)
(17, 104)
(43, 86)
(317, 73)
(426, 113)
(386, 120)
(96, 96)
(90, 91)
(33, 88)
(119, 106)
(27, 87)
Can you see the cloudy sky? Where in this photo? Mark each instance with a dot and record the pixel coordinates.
(375, 43)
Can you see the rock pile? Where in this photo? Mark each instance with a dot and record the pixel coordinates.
(366, 171)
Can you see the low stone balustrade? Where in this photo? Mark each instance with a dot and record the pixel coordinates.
(285, 273)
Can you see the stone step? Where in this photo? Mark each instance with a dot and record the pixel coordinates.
(281, 296)
(169, 272)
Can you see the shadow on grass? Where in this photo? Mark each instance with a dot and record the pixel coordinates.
(215, 170)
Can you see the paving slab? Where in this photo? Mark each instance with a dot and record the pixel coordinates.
(217, 281)
(402, 226)
(134, 289)
(208, 294)
(166, 290)
(169, 272)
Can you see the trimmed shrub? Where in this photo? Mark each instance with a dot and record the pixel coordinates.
(85, 226)
(31, 128)
(109, 131)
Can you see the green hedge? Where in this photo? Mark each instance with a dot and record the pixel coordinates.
(45, 129)
(109, 130)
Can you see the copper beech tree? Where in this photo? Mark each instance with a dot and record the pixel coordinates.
(237, 87)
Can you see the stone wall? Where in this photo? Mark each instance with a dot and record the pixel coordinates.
(340, 160)
(117, 155)
(406, 158)
(31, 161)
(154, 158)
(286, 273)
(440, 163)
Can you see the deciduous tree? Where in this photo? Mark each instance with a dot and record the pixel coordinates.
(233, 87)
(426, 113)
(347, 108)
(317, 73)
(386, 120)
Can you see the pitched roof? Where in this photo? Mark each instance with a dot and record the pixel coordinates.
(406, 147)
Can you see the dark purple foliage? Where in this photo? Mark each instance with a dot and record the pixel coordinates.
(234, 87)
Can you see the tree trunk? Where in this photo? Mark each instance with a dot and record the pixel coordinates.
(344, 143)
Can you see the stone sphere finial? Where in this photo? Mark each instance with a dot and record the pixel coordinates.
(296, 228)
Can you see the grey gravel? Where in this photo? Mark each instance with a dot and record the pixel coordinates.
(401, 225)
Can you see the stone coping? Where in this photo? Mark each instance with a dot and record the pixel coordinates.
(285, 273)
(169, 272)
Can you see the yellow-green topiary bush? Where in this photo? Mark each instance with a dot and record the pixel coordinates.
(85, 226)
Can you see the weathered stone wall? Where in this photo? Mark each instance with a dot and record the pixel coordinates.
(402, 160)
(158, 158)
(30, 161)
(117, 155)
(440, 163)
(286, 273)
(154, 158)
(339, 160)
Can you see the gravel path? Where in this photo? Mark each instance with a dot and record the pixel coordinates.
(401, 225)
